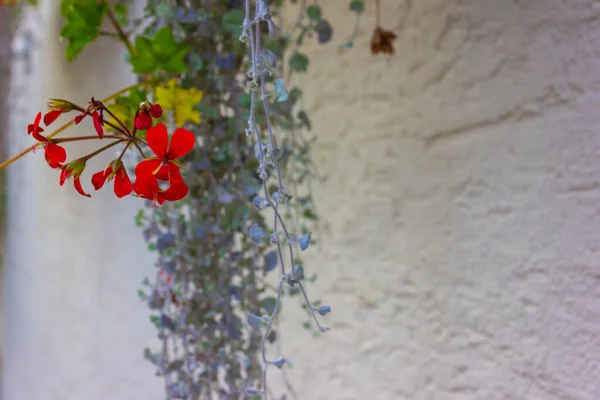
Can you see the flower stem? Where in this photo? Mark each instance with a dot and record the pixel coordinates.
(120, 31)
(65, 126)
(377, 7)
(74, 139)
(101, 149)
(113, 116)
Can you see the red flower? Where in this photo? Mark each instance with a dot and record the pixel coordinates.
(122, 186)
(166, 153)
(143, 120)
(146, 186)
(35, 129)
(164, 166)
(74, 170)
(55, 155)
(97, 116)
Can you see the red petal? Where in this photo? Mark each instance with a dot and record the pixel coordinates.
(181, 143)
(55, 155)
(123, 185)
(158, 139)
(79, 118)
(98, 124)
(145, 185)
(143, 121)
(36, 121)
(51, 116)
(99, 178)
(63, 176)
(156, 111)
(148, 167)
(177, 191)
(77, 183)
(174, 173)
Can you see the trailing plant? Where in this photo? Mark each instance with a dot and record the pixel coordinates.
(229, 195)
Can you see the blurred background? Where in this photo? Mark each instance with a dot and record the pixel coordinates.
(460, 218)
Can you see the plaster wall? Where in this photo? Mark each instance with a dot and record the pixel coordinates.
(461, 216)
(73, 327)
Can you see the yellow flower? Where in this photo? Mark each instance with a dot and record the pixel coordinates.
(180, 101)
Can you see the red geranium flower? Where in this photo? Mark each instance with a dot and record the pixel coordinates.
(74, 170)
(122, 186)
(143, 120)
(165, 164)
(55, 155)
(35, 129)
(147, 187)
(98, 118)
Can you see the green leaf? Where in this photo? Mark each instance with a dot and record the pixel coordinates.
(268, 304)
(143, 61)
(314, 12)
(357, 6)
(299, 62)
(121, 13)
(84, 18)
(160, 52)
(232, 22)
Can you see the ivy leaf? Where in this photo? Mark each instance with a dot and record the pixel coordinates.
(281, 90)
(271, 261)
(324, 310)
(298, 272)
(232, 22)
(314, 12)
(278, 362)
(299, 62)
(304, 241)
(268, 304)
(160, 52)
(143, 61)
(253, 320)
(121, 13)
(181, 101)
(84, 18)
(257, 234)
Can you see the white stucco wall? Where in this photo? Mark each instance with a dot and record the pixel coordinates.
(461, 246)
(73, 327)
(461, 218)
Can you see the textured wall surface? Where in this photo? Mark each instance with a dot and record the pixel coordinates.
(461, 218)
(461, 241)
(73, 327)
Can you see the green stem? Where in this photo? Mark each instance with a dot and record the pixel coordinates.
(101, 149)
(120, 31)
(117, 119)
(74, 139)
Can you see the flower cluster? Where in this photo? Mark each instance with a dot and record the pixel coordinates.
(157, 178)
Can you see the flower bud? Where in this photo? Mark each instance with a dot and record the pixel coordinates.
(62, 105)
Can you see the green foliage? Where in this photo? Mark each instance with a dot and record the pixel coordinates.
(357, 6)
(314, 12)
(202, 242)
(159, 52)
(232, 22)
(299, 62)
(84, 18)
